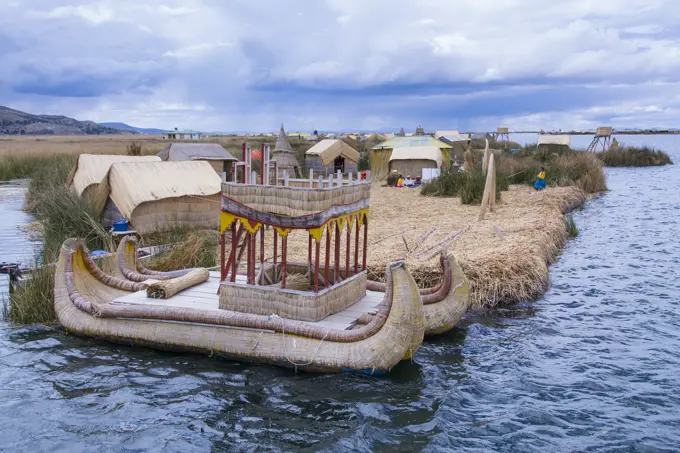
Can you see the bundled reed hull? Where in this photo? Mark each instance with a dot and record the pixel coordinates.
(445, 304)
(83, 297)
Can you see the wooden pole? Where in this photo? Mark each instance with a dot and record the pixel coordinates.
(284, 251)
(365, 241)
(327, 268)
(309, 253)
(356, 247)
(487, 189)
(316, 267)
(336, 273)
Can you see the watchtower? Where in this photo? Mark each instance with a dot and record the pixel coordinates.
(602, 139)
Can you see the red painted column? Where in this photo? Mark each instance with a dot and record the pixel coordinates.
(365, 240)
(356, 248)
(234, 245)
(316, 267)
(284, 260)
(327, 268)
(347, 250)
(249, 261)
(309, 252)
(276, 246)
(262, 245)
(336, 273)
(223, 265)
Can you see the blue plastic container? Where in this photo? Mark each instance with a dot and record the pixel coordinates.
(121, 225)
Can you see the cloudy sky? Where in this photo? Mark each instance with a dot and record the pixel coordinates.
(345, 64)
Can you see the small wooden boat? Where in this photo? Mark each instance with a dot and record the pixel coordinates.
(332, 323)
(444, 304)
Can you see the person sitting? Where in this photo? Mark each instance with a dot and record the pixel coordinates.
(540, 180)
(408, 182)
(417, 182)
(400, 181)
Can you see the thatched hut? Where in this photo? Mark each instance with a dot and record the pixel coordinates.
(283, 154)
(90, 169)
(219, 158)
(328, 156)
(427, 153)
(157, 196)
(553, 143)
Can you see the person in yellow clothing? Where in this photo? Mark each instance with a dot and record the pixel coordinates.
(540, 180)
(400, 181)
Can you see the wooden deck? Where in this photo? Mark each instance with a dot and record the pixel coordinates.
(205, 297)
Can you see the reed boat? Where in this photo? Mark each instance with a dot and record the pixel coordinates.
(445, 304)
(310, 316)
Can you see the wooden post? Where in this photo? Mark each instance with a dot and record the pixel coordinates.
(490, 178)
(365, 241)
(485, 162)
(316, 267)
(309, 254)
(336, 273)
(243, 158)
(311, 178)
(320, 182)
(284, 260)
(492, 194)
(285, 178)
(356, 248)
(339, 178)
(223, 265)
(249, 157)
(347, 250)
(327, 268)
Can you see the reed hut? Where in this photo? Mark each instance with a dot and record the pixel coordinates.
(90, 169)
(219, 158)
(553, 143)
(283, 154)
(459, 143)
(330, 156)
(428, 153)
(156, 196)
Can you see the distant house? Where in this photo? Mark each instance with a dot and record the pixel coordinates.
(219, 158)
(182, 134)
(553, 143)
(408, 155)
(457, 140)
(330, 155)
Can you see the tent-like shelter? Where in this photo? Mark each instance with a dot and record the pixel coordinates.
(157, 196)
(219, 158)
(408, 162)
(330, 155)
(90, 169)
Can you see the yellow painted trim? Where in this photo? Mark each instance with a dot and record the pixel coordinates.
(282, 231)
(226, 219)
(317, 232)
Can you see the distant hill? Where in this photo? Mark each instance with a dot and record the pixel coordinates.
(14, 122)
(139, 130)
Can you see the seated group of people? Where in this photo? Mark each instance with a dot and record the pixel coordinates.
(408, 181)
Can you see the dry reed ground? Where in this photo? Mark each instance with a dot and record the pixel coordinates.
(505, 256)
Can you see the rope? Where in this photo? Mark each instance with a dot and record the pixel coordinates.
(285, 349)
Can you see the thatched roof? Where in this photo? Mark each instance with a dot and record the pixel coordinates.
(92, 168)
(564, 140)
(132, 184)
(402, 142)
(195, 151)
(282, 143)
(417, 153)
(328, 150)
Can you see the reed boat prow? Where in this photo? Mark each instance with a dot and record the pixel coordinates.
(92, 303)
(445, 304)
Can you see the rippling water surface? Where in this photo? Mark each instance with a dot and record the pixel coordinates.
(594, 366)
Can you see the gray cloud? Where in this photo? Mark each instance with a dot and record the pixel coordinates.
(343, 63)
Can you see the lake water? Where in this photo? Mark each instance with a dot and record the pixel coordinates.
(594, 366)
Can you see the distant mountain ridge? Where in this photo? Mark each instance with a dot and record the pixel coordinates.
(139, 130)
(15, 122)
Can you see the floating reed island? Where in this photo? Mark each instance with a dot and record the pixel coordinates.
(505, 257)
